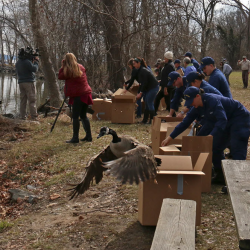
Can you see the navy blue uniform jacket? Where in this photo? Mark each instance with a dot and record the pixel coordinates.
(216, 109)
(219, 81)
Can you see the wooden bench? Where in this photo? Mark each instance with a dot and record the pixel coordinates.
(176, 226)
(237, 175)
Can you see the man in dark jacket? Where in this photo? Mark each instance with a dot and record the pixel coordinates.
(166, 92)
(26, 67)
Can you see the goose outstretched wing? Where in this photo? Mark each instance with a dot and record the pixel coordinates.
(138, 164)
(93, 170)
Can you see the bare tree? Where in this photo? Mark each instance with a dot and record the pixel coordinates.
(47, 66)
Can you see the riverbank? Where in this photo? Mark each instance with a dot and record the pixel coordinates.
(105, 217)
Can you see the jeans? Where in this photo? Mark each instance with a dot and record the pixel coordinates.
(139, 107)
(149, 98)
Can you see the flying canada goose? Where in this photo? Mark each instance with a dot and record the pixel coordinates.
(126, 158)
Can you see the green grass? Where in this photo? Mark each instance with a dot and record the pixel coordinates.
(4, 225)
(46, 157)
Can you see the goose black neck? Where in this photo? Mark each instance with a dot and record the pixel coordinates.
(115, 136)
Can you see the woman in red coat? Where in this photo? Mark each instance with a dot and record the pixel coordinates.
(79, 91)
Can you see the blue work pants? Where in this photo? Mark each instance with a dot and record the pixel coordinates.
(236, 135)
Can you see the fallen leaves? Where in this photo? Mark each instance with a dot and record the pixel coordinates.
(54, 196)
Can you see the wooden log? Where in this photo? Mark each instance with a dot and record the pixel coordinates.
(237, 174)
(176, 226)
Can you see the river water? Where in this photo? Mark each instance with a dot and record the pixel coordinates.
(10, 94)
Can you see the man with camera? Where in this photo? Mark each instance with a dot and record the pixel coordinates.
(26, 67)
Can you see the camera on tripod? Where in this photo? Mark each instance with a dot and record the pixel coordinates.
(28, 53)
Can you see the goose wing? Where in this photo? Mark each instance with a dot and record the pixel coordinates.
(137, 164)
(93, 170)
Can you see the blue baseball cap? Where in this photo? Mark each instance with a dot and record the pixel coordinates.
(177, 61)
(206, 61)
(172, 77)
(192, 76)
(189, 95)
(188, 54)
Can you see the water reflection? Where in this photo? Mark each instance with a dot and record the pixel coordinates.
(10, 94)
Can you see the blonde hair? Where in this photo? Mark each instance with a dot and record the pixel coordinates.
(71, 68)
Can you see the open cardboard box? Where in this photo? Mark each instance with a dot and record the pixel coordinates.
(123, 107)
(178, 179)
(102, 108)
(159, 131)
(193, 146)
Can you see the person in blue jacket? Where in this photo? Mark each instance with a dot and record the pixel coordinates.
(229, 123)
(217, 78)
(181, 83)
(189, 67)
(193, 61)
(178, 67)
(176, 80)
(196, 79)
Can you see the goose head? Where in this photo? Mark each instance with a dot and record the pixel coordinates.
(103, 131)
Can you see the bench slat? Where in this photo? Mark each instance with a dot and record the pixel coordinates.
(237, 175)
(176, 226)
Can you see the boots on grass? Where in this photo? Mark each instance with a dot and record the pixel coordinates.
(75, 138)
(86, 126)
(152, 114)
(145, 117)
(218, 177)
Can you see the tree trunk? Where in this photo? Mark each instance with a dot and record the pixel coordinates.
(113, 42)
(46, 63)
(147, 41)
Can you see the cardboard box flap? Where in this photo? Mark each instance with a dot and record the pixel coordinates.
(119, 94)
(175, 163)
(184, 133)
(197, 143)
(180, 172)
(166, 125)
(171, 148)
(201, 161)
(157, 121)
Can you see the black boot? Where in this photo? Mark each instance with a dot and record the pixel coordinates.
(145, 117)
(86, 126)
(218, 177)
(152, 114)
(75, 138)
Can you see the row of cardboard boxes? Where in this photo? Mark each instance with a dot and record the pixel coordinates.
(185, 171)
(119, 109)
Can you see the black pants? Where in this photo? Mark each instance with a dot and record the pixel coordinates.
(245, 78)
(168, 98)
(79, 108)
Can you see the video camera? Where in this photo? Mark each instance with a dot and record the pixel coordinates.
(28, 53)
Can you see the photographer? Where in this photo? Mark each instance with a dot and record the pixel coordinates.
(26, 67)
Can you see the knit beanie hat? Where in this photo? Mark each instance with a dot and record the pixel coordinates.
(169, 55)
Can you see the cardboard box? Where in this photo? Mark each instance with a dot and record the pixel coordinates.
(134, 89)
(169, 150)
(102, 109)
(123, 107)
(193, 146)
(177, 179)
(159, 131)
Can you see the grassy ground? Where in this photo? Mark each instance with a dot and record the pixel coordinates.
(105, 217)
